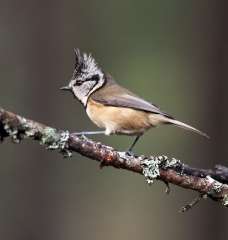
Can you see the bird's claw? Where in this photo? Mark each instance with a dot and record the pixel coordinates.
(130, 153)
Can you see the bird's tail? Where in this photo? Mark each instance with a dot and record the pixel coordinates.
(187, 127)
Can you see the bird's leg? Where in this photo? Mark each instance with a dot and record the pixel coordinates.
(89, 133)
(129, 151)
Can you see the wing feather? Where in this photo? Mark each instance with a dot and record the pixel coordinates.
(114, 95)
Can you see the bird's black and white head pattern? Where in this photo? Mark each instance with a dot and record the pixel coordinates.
(87, 76)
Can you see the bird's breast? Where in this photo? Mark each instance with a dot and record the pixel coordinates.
(119, 120)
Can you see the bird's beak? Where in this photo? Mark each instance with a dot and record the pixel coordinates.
(66, 88)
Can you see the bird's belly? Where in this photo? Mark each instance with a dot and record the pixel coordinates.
(118, 120)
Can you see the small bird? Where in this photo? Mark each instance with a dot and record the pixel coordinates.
(113, 107)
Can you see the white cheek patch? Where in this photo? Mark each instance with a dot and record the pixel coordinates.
(80, 95)
(88, 85)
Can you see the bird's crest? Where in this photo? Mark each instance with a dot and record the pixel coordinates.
(84, 64)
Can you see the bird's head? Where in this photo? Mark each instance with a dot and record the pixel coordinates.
(87, 77)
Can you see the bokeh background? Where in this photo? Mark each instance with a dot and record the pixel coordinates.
(173, 53)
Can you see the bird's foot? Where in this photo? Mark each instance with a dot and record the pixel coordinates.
(130, 153)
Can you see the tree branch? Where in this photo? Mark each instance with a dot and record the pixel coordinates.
(212, 183)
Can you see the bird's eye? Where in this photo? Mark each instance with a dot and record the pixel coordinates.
(78, 83)
(95, 77)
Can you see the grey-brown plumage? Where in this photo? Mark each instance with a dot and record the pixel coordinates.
(113, 107)
(113, 94)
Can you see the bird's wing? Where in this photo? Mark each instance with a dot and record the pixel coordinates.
(117, 96)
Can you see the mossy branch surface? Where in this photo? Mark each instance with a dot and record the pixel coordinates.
(212, 183)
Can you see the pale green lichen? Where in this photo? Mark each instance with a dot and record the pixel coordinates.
(18, 133)
(28, 130)
(13, 133)
(55, 140)
(152, 165)
(50, 137)
(168, 163)
(216, 186)
(151, 169)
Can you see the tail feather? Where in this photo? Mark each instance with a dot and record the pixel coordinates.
(187, 127)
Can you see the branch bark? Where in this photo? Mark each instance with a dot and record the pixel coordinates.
(212, 183)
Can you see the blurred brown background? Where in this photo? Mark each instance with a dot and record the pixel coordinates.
(171, 52)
